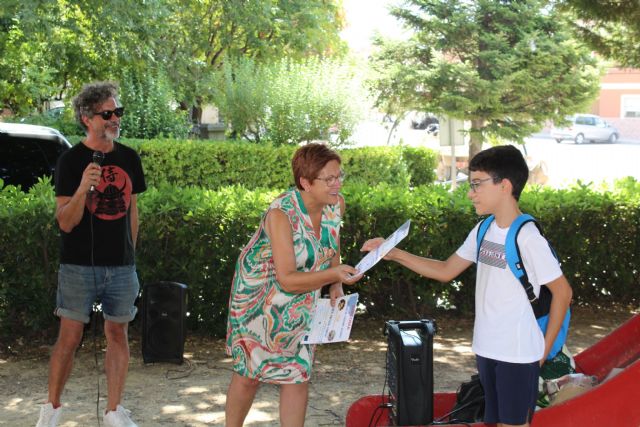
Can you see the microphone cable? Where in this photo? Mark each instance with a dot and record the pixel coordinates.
(94, 312)
(385, 400)
(96, 157)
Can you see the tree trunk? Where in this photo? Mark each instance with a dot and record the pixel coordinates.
(396, 122)
(476, 139)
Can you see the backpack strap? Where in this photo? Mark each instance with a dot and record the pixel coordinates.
(512, 253)
(482, 230)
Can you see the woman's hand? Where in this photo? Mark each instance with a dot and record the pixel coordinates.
(346, 274)
(335, 292)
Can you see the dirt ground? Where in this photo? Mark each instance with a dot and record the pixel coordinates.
(193, 394)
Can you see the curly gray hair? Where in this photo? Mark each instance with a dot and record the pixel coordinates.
(90, 96)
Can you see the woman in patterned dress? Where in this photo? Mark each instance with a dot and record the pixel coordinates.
(278, 277)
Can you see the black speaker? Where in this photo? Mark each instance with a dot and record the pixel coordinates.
(410, 371)
(164, 308)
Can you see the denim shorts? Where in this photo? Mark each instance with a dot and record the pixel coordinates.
(114, 288)
(510, 390)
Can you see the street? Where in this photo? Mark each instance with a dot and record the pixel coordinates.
(565, 162)
(594, 162)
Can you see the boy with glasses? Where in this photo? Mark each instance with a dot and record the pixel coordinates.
(96, 183)
(507, 341)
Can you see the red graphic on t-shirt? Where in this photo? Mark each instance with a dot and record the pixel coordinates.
(111, 199)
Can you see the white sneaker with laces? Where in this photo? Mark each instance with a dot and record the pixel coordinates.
(118, 418)
(49, 415)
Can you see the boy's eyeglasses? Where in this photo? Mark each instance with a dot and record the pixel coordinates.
(477, 183)
(330, 180)
(106, 114)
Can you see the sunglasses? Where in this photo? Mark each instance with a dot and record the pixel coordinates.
(106, 114)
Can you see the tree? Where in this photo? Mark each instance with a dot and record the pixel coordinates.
(286, 101)
(204, 34)
(151, 109)
(52, 47)
(610, 27)
(505, 66)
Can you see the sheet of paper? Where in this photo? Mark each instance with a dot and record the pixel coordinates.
(332, 324)
(376, 255)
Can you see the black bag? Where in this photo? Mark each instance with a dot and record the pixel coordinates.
(469, 405)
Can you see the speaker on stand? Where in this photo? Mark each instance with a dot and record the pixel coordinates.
(164, 308)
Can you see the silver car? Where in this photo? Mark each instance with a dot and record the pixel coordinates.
(586, 128)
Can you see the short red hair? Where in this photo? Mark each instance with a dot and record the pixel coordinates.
(309, 160)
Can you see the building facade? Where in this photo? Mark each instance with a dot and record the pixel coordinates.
(619, 101)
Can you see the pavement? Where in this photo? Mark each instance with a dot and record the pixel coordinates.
(562, 164)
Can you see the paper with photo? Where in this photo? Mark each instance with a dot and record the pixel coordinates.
(378, 253)
(332, 324)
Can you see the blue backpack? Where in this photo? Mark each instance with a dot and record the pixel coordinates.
(541, 304)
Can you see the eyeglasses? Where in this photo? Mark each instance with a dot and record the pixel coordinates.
(330, 180)
(477, 183)
(106, 114)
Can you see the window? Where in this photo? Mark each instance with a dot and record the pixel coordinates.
(584, 120)
(630, 106)
(24, 158)
(22, 161)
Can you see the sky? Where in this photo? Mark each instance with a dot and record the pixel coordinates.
(364, 17)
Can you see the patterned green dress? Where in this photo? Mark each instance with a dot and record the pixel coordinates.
(266, 324)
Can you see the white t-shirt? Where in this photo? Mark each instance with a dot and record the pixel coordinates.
(505, 327)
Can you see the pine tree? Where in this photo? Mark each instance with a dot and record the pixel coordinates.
(611, 27)
(505, 66)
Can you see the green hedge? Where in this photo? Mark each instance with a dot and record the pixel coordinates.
(29, 246)
(215, 164)
(194, 236)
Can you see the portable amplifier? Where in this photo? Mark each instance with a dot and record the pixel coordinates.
(410, 371)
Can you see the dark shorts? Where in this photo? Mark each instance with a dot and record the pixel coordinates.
(510, 390)
(114, 288)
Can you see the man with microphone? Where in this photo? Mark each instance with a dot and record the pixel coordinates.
(96, 183)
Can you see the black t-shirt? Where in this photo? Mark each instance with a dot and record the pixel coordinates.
(106, 218)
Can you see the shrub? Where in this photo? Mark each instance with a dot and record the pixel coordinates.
(28, 259)
(217, 164)
(287, 102)
(194, 236)
(421, 164)
(150, 110)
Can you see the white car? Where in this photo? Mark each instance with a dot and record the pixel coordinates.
(586, 128)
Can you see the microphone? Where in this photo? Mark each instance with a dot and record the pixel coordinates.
(97, 158)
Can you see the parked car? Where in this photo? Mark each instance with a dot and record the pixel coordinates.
(28, 152)
(586, 128)
(422, 120)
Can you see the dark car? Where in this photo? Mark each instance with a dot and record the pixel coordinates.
(422, 120)
(28, 152)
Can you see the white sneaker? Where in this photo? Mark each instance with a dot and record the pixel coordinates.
(49, 416)
(118, 418)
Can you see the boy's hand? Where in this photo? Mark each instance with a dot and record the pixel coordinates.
(372, 244)
(353, 278)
